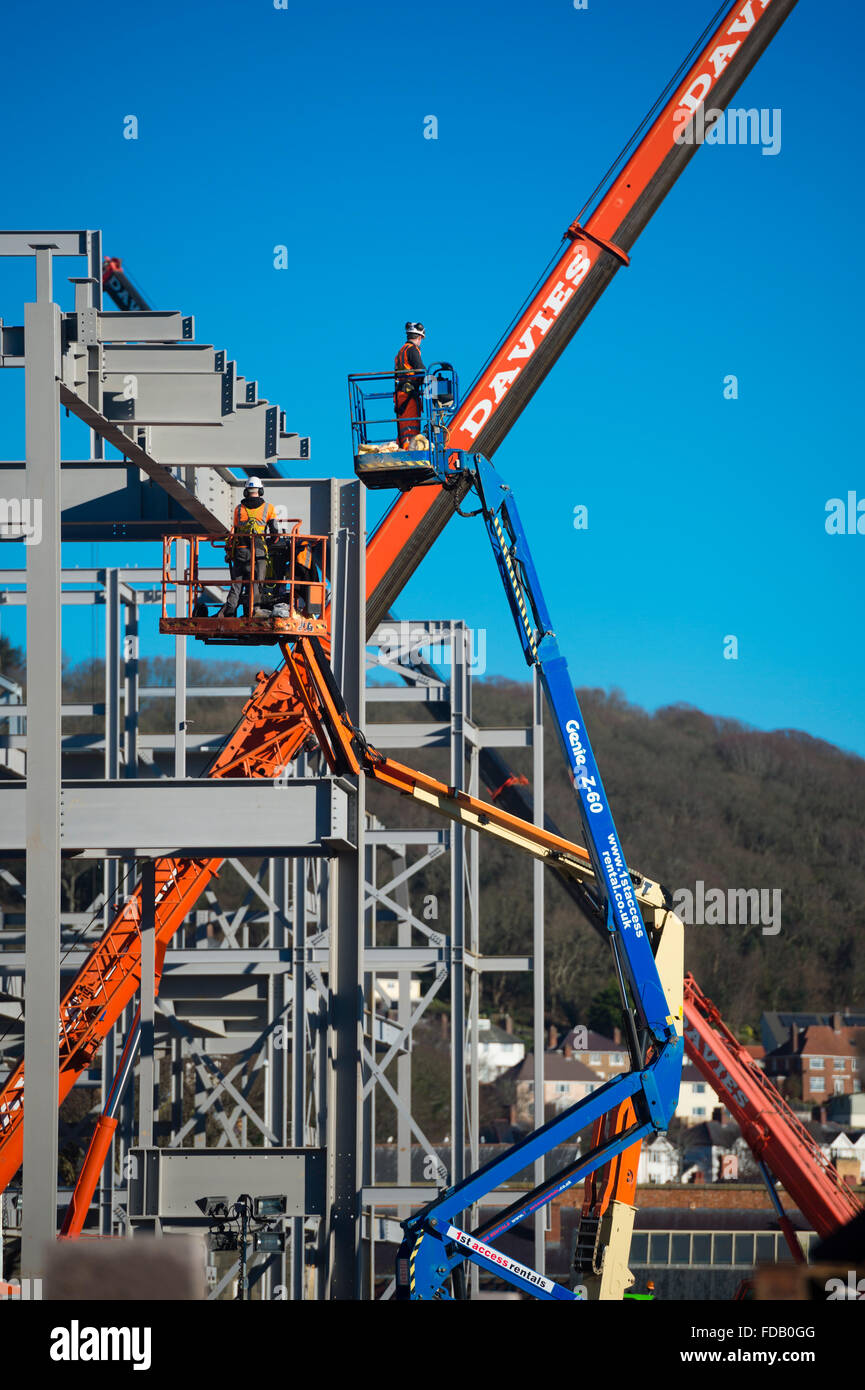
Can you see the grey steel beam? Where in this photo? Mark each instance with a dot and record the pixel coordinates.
(39, 809)
(409, 735)
(142, 359)
(418, 1194)
(166, 398)
(102, 500)
(261, 961)
(310, 816)
(246, 439)
(144, 326)
(64, 243)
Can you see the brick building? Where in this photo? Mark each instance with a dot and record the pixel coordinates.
(817, 1061)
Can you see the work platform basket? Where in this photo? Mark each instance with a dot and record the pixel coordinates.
(294, 593)
(379, 461)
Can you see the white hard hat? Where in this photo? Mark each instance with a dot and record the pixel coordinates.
(252, 484)
(414, 330)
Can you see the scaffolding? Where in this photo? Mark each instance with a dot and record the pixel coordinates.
(272, 1028)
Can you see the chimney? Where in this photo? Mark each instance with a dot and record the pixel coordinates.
(617, 1036)
(554, 1037)
(794, 1037)
(509, 1024)
(836, 1023)
(568, 1048)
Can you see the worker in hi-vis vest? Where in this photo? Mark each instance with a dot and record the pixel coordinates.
(408, 384)
(247, 550)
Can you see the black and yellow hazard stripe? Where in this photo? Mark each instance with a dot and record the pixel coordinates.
(517, 587)
(412, 1258)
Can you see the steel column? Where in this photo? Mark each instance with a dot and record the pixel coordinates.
(458, 914)
(146, 1072)
(130, 689)
(346, 921)
(42, 940)
(112, 673)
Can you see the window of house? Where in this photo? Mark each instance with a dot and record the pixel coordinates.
(765, 1249)
(659, 1249)
(701, 1250)
(838, 1063)
(680, 1249)
(594, 1059)
(563, 1088)
(699, 1088)
(817, 1084)
(743, 1250)
(616, 1059)
(854, 1063)
(722, 1252)
(839, 1086)
(817, 1063)
(699, 1110)
(639, 1249)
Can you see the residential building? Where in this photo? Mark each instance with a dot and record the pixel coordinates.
(708, 1148)
(659, 1160)
(604, 1056)
(697, 1100)
(566, 1081)
(848, 1110)
(848, 1148)
(498, 1050)
(817, 1062)
(775, 1027)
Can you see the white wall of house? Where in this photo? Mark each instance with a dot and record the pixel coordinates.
(659, 1162)
(697, 1100)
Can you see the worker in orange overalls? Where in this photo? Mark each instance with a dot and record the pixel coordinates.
(408, 384)
(247, 550)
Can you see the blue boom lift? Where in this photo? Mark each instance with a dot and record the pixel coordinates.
(431, 1257)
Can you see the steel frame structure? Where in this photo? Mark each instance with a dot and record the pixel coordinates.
(277, 936)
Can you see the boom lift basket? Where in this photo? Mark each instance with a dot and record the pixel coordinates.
(297, 598)
(379, 462)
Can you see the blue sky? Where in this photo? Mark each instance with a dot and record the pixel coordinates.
(304, 127)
